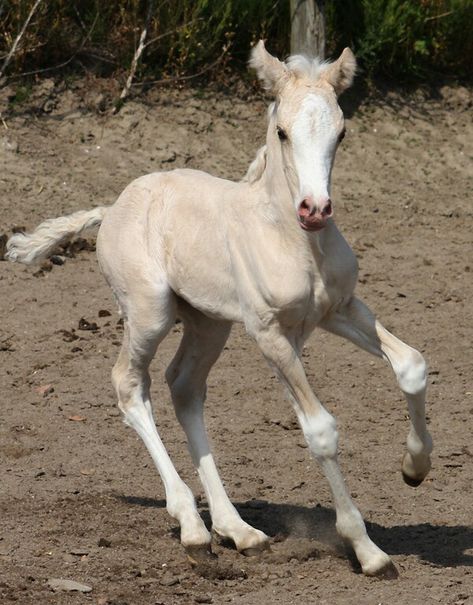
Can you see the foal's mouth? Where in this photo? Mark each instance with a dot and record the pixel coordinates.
(311, 225)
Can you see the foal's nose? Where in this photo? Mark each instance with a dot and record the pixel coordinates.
(327, 208)
(309, 207)
(313, 214)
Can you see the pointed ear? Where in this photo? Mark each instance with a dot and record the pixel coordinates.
(341, 72)
(272, 72)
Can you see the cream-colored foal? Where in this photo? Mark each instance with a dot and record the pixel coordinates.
(265, 252)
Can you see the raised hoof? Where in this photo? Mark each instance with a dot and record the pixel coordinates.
(199, 553)
(254, 551)
(411, 481)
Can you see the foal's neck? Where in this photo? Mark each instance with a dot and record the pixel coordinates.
(275, 179)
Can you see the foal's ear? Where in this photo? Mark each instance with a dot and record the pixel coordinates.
(341, 72)
(272, 72)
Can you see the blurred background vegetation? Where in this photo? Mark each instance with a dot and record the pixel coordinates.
(398, 39)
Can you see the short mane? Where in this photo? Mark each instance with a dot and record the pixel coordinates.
(310, 67)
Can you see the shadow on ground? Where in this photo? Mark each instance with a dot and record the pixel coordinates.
(440, 545)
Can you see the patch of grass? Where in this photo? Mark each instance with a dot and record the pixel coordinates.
(22, 95)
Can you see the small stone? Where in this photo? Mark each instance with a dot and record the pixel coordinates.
(79, 552)
(68, 585)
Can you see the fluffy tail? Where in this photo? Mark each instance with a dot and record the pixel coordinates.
(29, 248)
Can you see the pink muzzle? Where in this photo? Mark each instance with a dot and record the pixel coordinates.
(313, 217)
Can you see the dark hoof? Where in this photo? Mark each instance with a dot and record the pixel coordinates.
(199, 553)
(254, 551)
(411, 481)
(387, 572)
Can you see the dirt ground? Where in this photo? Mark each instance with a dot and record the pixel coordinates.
(79, 496)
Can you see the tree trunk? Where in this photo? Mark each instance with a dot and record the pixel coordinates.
(308, 27)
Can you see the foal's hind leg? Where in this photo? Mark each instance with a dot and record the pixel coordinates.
(356, 323)
(146, 326)
(201, 345)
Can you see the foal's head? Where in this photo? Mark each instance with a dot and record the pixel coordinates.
(306, 125)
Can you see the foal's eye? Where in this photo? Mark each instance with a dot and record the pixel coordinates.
(341, 136)
(281, 134)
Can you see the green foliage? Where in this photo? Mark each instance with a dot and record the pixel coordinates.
(183, 37)
(395, 38)
(405, 38)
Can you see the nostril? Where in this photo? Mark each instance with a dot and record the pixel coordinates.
(305, 209)
(327, 209)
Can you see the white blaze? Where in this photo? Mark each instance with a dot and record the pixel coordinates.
(314, 138)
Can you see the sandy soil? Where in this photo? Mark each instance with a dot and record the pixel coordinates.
(80, 498)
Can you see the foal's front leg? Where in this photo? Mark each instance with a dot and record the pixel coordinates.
(356, 323)
(321, 434)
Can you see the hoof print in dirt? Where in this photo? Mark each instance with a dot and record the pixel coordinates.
(214, 570)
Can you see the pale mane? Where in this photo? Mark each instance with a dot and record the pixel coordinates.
(303, 66)
(256, 168)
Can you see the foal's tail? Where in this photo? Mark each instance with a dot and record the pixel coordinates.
(29, 248)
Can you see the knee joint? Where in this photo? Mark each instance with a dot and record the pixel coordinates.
(321, 434)
(128, 385)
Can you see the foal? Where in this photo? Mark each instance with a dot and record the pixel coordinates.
(264, 252)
